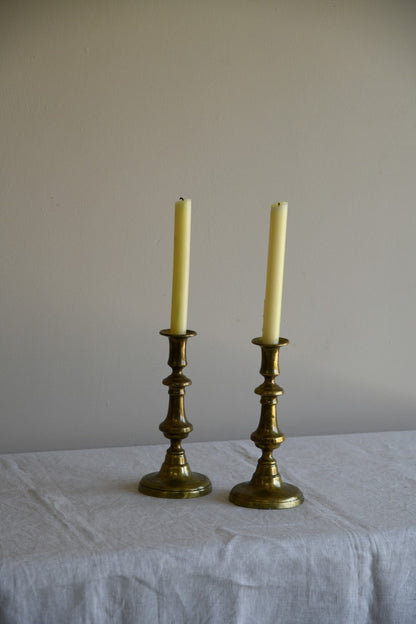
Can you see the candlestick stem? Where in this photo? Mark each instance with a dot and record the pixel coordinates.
(175, 478)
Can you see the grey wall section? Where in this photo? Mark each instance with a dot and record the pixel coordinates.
(112, 110)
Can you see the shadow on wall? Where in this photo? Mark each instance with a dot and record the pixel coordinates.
(326, 403)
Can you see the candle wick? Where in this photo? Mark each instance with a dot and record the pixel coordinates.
(181, 198)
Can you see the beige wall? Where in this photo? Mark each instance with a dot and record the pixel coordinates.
(110, 110)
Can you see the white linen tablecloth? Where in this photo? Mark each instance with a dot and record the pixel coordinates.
(79, 544)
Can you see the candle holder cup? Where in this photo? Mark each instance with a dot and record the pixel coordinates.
(266, 490)
(175, 478)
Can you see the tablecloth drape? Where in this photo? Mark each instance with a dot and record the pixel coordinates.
(80, 544)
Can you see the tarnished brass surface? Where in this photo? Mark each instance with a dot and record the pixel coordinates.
(175, 478)
(266, 490)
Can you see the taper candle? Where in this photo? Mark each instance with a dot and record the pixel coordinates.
(181, 253)
(275, 266)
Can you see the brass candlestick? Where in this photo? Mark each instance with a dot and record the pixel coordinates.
(175, 478)
(266, 490)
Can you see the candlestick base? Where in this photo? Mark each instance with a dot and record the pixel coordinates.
(193, 485)
(269, 495)
(175, 478)
(266, 490)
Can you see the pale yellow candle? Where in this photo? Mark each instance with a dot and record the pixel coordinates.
(275, 266)
(181, 253)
